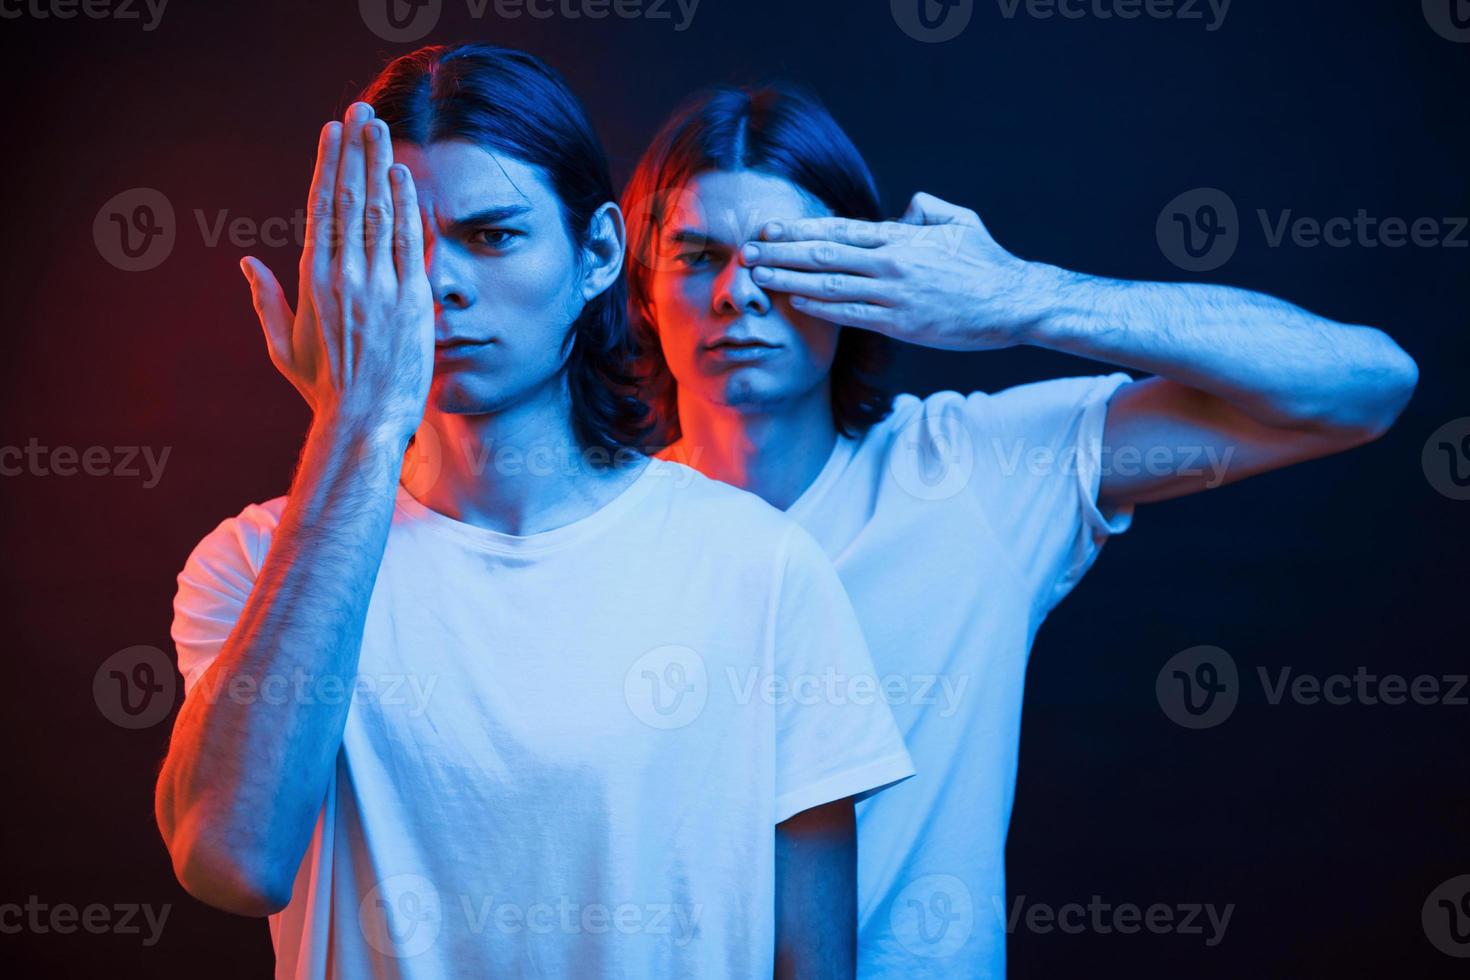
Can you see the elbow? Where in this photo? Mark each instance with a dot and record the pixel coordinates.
(225, 878)
(1385, 382)
(230, 884)
(1394, 376)
(1404, 378)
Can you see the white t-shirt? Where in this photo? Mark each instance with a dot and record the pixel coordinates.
(566, 752)
(956, 524)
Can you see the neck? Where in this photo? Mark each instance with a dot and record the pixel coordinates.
(518, 471)
(774, 451)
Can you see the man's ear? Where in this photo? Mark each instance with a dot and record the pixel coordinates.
(602, 255)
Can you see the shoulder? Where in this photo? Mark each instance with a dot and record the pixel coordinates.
(720, 515)
(695, 494)
(243, 538)
(1036, 402)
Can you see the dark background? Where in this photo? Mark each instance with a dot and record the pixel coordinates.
(1326, 826)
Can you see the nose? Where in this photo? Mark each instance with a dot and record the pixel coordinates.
(449, 280)
(736, 293)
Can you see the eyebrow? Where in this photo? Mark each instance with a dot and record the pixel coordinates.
(490, 216)
(693, 236)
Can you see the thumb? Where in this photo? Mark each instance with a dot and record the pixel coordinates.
(926, 209)
(271, 307)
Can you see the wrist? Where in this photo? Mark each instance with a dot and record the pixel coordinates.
(364, 436)
(1062, 306)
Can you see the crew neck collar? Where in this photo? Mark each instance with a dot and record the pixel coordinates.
(542, 541)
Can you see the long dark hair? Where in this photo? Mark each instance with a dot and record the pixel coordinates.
(511, 102)
(778, 130)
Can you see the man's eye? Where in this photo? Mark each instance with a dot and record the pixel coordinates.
(493, 237)
(692, 258)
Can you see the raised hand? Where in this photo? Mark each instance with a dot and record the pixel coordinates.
(359, 346)
(935, 277)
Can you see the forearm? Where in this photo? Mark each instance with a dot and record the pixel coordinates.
(816, 894)
(1274, 361)
(245, 777)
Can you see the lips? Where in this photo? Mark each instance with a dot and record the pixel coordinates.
(460, 343)
(739, 343)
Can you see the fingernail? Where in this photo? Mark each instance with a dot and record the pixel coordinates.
(245, 268)
(370, 132)
(798, 301)
(761, 274)
(774, 228)
(750, 253)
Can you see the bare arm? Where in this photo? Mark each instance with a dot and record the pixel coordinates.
(816, 893)
(1240, 376)
(243, 783)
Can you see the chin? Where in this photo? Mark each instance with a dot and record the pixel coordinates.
(456, 396)
(753, 389)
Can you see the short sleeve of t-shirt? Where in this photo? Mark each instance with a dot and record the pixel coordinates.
(215, 583)
(1040, 464)
(835, 733)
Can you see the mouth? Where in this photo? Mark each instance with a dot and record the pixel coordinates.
(459, 345)
(732, 343)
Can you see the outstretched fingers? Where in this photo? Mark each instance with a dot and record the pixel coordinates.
(408, 232)
(844, 231)
(378, 213)
(351, 196)
(316, 255)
